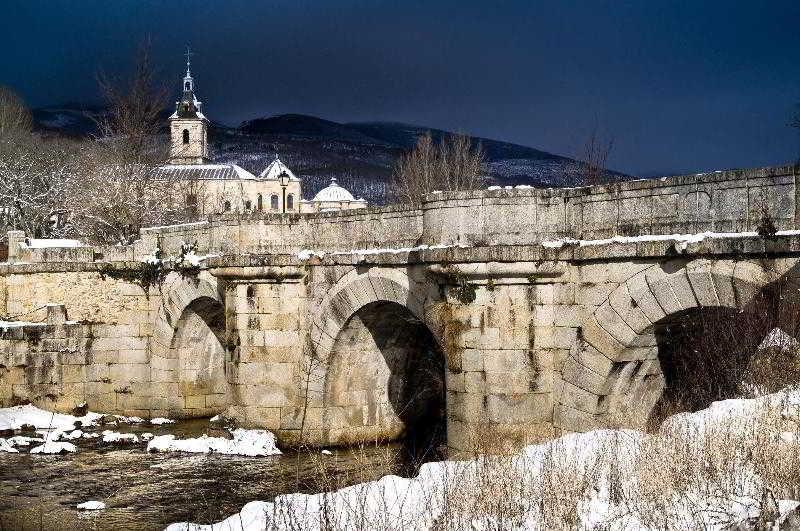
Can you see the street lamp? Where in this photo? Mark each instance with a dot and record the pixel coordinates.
(283, 178)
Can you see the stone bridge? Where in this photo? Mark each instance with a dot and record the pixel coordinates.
(509, 315)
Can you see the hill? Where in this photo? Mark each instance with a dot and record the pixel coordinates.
(360, 155)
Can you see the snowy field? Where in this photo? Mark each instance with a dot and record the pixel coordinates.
(732, 464)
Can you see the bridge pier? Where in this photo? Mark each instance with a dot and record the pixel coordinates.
(265, 316)
(505, 329)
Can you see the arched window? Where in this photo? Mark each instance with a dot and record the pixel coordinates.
(185, 136)
(247, 205)
(259, 203)
(290, 202)
(226, 206)
(188, 86)
(273, 202)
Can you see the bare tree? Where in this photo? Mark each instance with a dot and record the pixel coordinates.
(33, 173)
(122, 188)
(134, 108)
(15, 118)
(594, 158)
(34, 176)
(453, 164)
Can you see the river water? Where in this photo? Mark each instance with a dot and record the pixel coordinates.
(151, 490)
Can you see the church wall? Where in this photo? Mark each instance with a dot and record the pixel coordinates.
(215, 193)
(196, 150)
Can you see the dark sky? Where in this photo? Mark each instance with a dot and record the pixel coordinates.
(681, 86)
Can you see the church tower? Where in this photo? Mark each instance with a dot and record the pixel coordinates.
(187, 126)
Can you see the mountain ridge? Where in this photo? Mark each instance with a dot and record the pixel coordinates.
(361, 155)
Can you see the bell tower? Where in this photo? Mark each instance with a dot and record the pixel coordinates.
(188, 127)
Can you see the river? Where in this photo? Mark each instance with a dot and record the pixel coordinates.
(146, 491)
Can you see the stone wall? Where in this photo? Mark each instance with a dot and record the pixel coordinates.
(731, 201)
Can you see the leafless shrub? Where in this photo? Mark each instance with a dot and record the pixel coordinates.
(15, 118)
(595, 157)
(453, 164)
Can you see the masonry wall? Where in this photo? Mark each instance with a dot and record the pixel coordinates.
(731, 201)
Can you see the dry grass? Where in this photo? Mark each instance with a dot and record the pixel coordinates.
(691, 474)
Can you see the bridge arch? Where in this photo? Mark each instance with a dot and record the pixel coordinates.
(380, 373)
(188, 355)
(617, 370)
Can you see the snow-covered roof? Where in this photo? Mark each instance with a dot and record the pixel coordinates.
(333, 192)
(274, 170)
(204, 172)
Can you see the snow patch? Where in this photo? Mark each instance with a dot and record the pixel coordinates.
(114, 437)
(52, 447)
(251, 443)
(777, 338)
(6, 446)
(13, 418)
(161, 420)
(681, 239)
(62, 243)
(91, 506)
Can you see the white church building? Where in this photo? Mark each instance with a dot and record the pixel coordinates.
(219, 188)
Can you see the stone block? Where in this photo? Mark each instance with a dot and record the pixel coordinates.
(472, 360)
(628, 309)
(574, 420)
(506, 360)
(640, 292)
(512, 382)
(97, 372)
(125, 372)
(467, 407)
(474, 382)
(119, 343)
(73, 373)
(581, 376)
(517, 409)
(133, 356)
(611, 321)
(600, 339)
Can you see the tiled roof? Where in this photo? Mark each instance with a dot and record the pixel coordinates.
(203, 172)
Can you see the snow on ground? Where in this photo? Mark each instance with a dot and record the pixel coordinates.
(21, 440)
(6, 446)
(129, 420)
(115, 437)
(52, 447)
(249, 443)
(777, 338)
(602, 463)
(13, 418)
(91, 506)
(161, 420)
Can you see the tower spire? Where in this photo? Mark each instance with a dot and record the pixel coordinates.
(189, 55)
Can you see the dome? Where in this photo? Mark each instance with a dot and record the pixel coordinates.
(275, 168)
(333, 192)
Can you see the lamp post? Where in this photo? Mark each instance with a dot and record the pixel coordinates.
(283, 178)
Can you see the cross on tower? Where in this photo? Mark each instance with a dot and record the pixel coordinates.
(189, 55)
